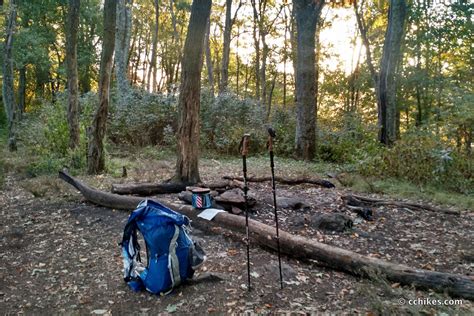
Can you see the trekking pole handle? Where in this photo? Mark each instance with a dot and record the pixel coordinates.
(271, 135)
(244, 144)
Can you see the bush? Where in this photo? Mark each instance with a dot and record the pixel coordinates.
(147, 119)
(45, 134)
(284, 123)
(347, 143)
(422, 159)
(226, 118)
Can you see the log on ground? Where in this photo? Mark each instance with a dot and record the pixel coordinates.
(147, 189)
(300, 247)
(355, 200)
(285, 180)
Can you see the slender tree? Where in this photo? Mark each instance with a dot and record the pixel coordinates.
(385, 80)
(210, 69)
(229, 22)
(187, 169)
(95, 156)
(7, 91)
(307, 13)
(122, 46)
(389, 65)
(152, 71)
(72, 26)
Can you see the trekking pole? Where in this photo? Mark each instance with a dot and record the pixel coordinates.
(243, 148)
(271, 135)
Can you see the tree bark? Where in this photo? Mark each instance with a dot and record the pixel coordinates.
(154, 50)
(72, 27)
(187, 169)
(307, 14)
(148, 189)
(388, 71)
(122, 46)
(95, 156)
(256, 41)
(226, 49)
(285, 180)
(8, 86)
(355, 200)
(210, 71)
(21, 91)
(299, 247)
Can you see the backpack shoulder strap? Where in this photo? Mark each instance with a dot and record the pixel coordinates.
(173, 261)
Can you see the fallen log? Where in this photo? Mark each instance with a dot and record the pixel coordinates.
(360, 201)
(301, 247)
(147, 188)
(284, 180)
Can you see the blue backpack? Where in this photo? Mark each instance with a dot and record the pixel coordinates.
(172, 256)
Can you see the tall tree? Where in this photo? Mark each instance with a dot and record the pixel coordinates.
(229, 22)
(8, 92)
(72, 26)
(389, 64)
(210, 74)
(122, 46)
(307, 13)
(95, 155)
(152, 71)
(385, 80)
(187, 169)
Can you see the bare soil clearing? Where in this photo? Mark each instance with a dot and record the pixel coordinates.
(60, 254)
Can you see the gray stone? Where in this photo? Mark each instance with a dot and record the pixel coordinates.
(337, 222)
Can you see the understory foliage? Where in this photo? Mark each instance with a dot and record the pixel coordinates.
(423, 159)
(225, 118)
(146, 119)
(45, 136)
(420, 157)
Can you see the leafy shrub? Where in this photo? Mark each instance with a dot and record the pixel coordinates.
(147, 119)
(45, 134)
(226, 118)
(423, 159)
(284, 123)
(347, 143)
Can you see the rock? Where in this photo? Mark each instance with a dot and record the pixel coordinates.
(331, 221)
(235, 210)
(234, 197)
(293, 203)
(298, 220)
(270, 270)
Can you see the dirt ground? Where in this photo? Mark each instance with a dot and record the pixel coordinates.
(60, 254)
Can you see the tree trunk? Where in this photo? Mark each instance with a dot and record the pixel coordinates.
(72, 75)
(307, 14)
(256, 41)
(154, 50)
(95, 156)
(388, 71)
(210, 71)
(263, 69)
(146, 61)
(21, 91)
(8, 92)
(187, 170)
(299, 247)
(226, 49)
(122, 46)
